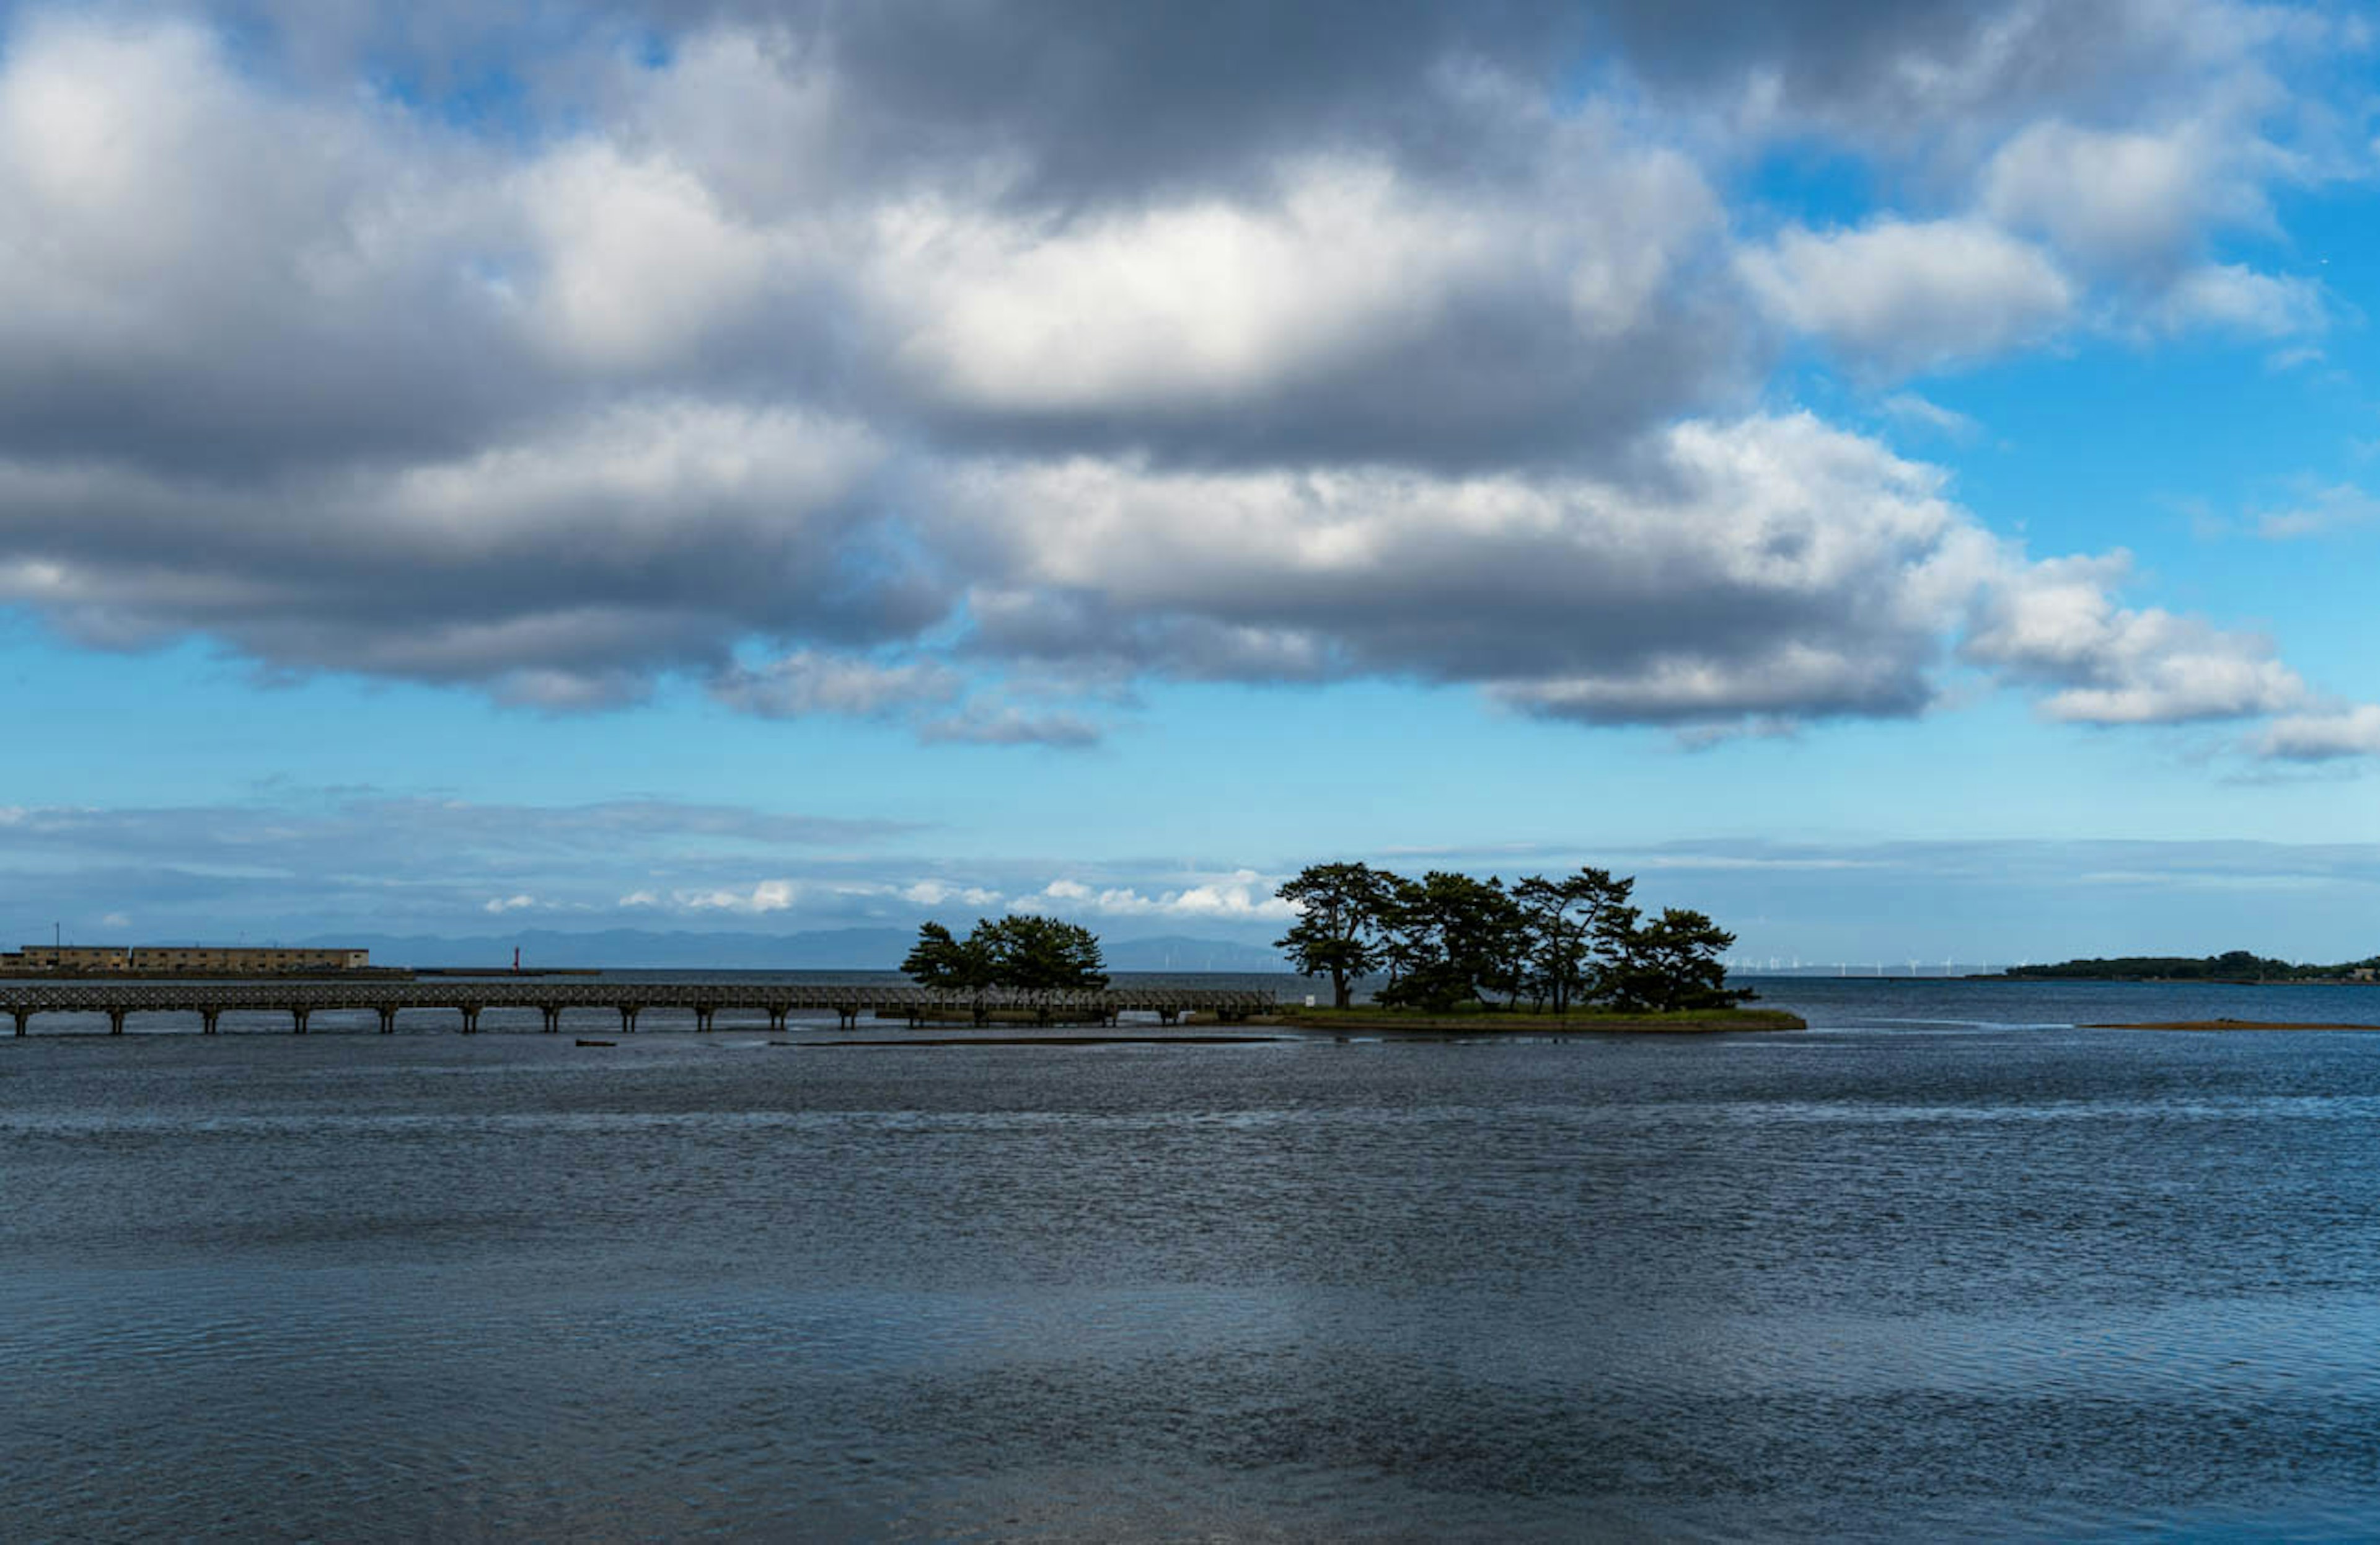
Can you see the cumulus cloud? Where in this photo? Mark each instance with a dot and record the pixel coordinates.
(2324, 735)
(851, 359)
(1896, 296)
(2058, 624)
(1767, 565)
(2130, 201)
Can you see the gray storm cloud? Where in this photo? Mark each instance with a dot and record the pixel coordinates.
(920, 360)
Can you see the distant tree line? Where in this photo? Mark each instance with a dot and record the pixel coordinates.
(1448, 940)
(2231, 965)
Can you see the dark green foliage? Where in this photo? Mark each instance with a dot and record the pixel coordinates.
(1022, 950)
(1673, 963)
(1575, 925)
(2232, 966)
(1029, 951)
(1341, 927)
(940, 961)
(1447, 941)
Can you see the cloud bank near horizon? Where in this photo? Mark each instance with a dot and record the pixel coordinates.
(965, 366)
(306, 865)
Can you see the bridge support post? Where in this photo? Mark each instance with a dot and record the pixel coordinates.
(23, 1017)
(627, 1018)
(704, 1014)
(207, 1017)
(387, 1021)
(552, 1013)
(470, 1018)
(297, 1017)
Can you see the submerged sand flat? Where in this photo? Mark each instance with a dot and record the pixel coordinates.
(2233, 1025)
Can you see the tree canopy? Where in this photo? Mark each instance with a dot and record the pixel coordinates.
(1449, 939)
(1342, 924)
(1023, 951)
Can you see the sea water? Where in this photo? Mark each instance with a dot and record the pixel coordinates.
(1946, 1263)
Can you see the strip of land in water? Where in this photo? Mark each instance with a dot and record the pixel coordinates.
(2233, 1025)
(1522, 1021)
(1042, 1041)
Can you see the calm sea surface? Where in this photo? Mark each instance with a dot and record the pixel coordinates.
(1945, 1265)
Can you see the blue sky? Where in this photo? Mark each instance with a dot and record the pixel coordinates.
(1896, 476)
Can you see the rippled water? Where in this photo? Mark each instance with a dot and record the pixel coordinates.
(1943, 1265)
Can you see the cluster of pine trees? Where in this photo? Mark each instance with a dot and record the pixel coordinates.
(1023, 950)
(1446, 939)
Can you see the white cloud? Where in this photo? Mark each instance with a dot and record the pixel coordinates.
(636, 264)
(1894, 296)
(517, 903)
(1243, 895)
(934, 892)
(1170, 305)
(2235, 299)
(768, 895)
(2324, 736)
(2056, 624)
(2130, 201)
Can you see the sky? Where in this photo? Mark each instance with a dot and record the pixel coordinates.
(1902, 476)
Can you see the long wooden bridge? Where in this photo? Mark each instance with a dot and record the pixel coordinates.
(704, 999)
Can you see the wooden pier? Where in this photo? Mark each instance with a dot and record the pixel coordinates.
(704, 1000)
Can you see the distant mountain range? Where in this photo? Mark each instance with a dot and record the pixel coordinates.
(842, 949)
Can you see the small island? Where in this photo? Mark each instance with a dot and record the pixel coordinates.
(1457, 954)
(1450, 954)
(1567, 954)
